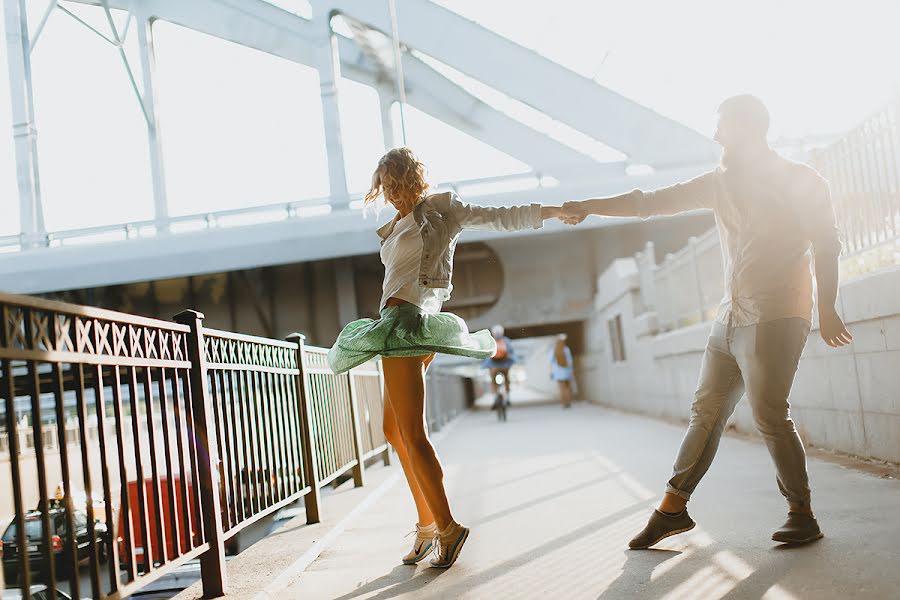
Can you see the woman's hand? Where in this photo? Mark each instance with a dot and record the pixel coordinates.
(551, 212)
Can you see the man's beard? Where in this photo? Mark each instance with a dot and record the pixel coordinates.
(737, 157)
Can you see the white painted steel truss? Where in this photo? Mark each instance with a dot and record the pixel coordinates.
(428, 35)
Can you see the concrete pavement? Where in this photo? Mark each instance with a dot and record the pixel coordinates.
(554, 495)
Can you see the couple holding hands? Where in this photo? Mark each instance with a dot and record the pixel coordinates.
(773, 215)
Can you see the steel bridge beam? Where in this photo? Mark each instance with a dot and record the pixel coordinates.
(18, 49)
(264, 27)
(645, 136)
(327, 61)
(386, 99)
(154, 130)
(434, 94)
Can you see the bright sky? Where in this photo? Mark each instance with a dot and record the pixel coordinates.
(242, 128)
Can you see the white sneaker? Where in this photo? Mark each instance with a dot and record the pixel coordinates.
(450, 542)
(422, 545)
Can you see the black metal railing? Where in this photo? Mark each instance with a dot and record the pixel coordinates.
(449, 394)
(257, 417)
(334, 423)
(367, 383)
(170, 438)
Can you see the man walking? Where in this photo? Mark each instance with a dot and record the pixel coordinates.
(770, 212)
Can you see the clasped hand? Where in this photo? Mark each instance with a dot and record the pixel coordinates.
(573, 212)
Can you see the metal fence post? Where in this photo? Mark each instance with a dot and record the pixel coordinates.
(15, 449)
(671, 319)
(359, 471)
(387, 446)
(310, 460)
(212, 562)
(648, 287)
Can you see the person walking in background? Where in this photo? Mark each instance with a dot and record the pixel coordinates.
(501, 362)
(562, 370)
(770, 213)
(417, 248)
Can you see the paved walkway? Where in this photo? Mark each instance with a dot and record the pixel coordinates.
(553, 497)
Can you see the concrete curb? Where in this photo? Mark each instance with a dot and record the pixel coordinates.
(283, 581)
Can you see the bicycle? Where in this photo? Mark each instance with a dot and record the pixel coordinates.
(501, 401)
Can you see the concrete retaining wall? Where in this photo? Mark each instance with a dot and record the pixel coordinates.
(845, 399)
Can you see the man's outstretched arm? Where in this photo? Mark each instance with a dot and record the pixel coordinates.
(690, 195)
(623, 205)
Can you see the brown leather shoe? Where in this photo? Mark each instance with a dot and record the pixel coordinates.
(800, 528)
(659, 527)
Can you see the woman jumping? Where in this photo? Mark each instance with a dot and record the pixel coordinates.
(417, 251)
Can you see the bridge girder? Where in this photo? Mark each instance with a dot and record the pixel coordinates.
(259, 25)
(645, 136)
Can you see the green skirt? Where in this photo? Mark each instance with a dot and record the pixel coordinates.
(406, 330)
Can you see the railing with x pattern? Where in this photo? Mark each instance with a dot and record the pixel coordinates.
(185, 436)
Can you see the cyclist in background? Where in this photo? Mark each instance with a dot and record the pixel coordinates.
(501, 361)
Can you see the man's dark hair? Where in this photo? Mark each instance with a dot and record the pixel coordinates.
(750, 110)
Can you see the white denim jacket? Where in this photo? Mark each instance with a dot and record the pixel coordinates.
(442, 217)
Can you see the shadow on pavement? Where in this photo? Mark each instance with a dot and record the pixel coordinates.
(577, 487)
(401, 580)
(636, 571)
(531, 475)
(702, 572)
(557, 543)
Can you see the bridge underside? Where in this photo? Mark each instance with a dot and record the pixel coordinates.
(290, 240)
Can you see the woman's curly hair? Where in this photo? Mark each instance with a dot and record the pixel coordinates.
(400, 176)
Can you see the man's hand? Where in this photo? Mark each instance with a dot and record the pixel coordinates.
(573, 213)
(832, 328)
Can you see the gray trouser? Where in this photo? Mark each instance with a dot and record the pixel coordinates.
(759, 360)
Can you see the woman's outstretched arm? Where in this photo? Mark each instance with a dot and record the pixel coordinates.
(500, 218)
(552, 212)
